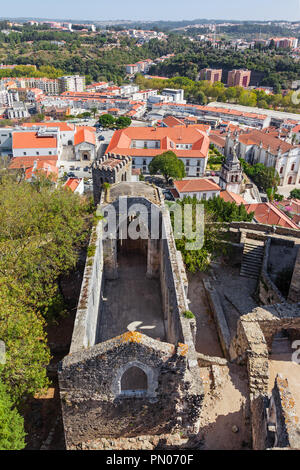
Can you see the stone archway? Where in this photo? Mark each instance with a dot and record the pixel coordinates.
(135, 379)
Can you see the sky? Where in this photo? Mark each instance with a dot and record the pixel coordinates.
(148, 10)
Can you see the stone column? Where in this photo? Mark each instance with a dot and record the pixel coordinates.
(110, 259)
(153, 259)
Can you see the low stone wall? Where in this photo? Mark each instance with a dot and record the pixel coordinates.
(87, 316)
(219, 317)
(282, 420)
(286, 232)
(268, 292)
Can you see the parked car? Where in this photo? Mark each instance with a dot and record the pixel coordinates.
(71, 175)
(168, 195)
(86, 168)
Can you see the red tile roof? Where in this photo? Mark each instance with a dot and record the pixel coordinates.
(72, 183)
(217, 140)
(228, 196)
(256, 137)
(28, 162)
(267, 213)
(196, 185)
(121, 141)
(30, 140)
(63, 126)
(85, 135)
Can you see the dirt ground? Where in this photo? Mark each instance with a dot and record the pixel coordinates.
(206, 338)
(224, 421)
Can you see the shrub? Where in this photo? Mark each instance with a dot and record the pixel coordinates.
(188, 314)
(91, 251)
(12, 434)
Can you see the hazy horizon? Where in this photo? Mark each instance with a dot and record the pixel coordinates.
(169, 10)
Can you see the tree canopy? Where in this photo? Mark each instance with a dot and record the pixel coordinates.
(12, 434)
(41, 231)
(217, 213)
(168, 165)
(295, 194)
(265, 178)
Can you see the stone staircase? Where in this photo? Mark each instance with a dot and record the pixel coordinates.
(252, 259)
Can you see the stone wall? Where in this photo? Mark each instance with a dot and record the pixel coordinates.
(252, 346)
(95, 406)
(294, 293)
(86, 321)
(283, 422)
(268, 292)
(219, 317)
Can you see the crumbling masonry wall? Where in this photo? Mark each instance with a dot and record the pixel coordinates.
(93, 405)
(252, 346)
(282, 419)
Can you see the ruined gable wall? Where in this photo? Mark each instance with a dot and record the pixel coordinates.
(91, 404)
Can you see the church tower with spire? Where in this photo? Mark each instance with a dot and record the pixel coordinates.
(231, 174)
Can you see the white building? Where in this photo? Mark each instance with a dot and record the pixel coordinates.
(259, 147)
(43, 142)
(203, 189)
(176, 95)
(72, 83)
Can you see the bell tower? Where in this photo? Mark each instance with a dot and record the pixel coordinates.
(231, 174)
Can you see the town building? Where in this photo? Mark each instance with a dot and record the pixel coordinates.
(43, 142)
(176, 95)
(189, 143)
(257, 146)
(231, 176)
(239, 78)
(211, 75)
(72, 83)
(85, 144)
(76, 185)
(202, 189)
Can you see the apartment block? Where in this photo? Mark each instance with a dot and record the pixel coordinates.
(211, 75)
(239, 78)
(72, 83)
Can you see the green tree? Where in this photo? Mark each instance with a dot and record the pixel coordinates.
(27, 353)
(217, 212)
(295, 194)
(12, 434)
(94, 111)
(123, 121)
(107, 120)
(168, 165)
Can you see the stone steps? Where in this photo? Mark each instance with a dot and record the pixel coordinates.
(253, 254)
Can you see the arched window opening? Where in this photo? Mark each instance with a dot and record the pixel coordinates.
(134, 381)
